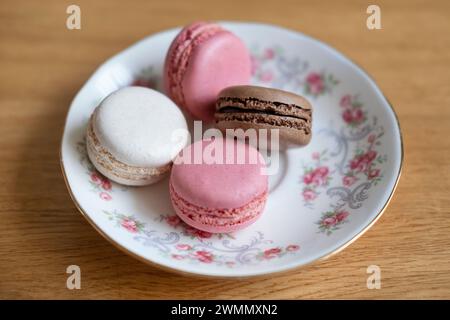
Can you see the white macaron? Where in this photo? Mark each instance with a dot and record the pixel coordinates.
(134, 134)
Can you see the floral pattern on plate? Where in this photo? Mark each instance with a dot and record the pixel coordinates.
(332, 188)
(100, 185)
(316, 177)
(349, 166)
(183, 242)
(356, 161)
(271, 66)
(319, 83)
(331, 221)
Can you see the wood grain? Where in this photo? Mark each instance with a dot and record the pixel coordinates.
(43, 65)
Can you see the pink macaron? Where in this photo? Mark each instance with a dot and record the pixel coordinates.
(202, 60)
(219, 185)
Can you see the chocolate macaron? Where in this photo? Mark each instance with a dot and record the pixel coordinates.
(265, 108)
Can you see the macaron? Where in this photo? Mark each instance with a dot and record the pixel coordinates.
(223, 194)
(134, 134)
(265, 108)
(203, 59)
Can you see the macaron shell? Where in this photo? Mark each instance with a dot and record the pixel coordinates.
(179, 53)
(220, 186)
(138, 127)
(287, 137)
(219, 62)
(117, 171)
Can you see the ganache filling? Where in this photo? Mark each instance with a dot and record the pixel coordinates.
(234, 109)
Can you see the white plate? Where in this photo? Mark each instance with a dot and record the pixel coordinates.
(324, 195)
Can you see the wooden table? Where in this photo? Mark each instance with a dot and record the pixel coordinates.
(43, 65)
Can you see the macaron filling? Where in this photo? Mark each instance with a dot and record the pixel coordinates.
(267, 111)
(254, 105)
(272, 120)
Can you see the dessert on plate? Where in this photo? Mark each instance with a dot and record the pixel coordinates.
(134, 134)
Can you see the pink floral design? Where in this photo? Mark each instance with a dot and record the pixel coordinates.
(100, 185)
(266, 76)
(199, 250)
(362, 166)
(331, 221)
(255, 64)
(272, 253)
(353, 115)
(127, 222)
(260, 71)
(317, 84)
(96, 178)
(106, 184)
(315, 155)
(105, 196)
(278, 252)
(315, 177)
(349, 180)
(130, 225)
(364, 162)
(269, 53)
(361, 162)
(204, 256)
(346, 101)
(341, 216)
(173, 221)
(292, 247)
(373, 173)
(309, 195)
(183, 247)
